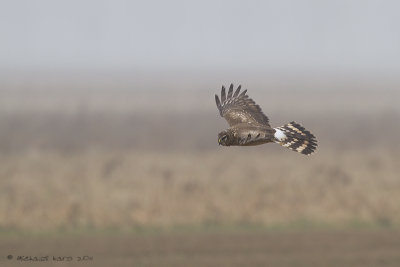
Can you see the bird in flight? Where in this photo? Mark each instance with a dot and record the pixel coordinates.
(249, 126)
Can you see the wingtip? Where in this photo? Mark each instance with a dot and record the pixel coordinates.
(244, 92)
(230, 92)
(237, 91)
(223, 95)
(217, 101)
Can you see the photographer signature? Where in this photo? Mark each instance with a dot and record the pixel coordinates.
(27, 258)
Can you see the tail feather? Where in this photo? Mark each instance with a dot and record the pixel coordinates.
(295, 137)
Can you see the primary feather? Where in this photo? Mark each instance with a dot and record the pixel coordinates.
(239, 108)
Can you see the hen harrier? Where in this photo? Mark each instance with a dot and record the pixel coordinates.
(249, 126)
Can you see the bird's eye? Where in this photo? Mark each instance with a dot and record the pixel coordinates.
(224, 137)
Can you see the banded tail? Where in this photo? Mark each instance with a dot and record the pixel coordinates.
(296, 138)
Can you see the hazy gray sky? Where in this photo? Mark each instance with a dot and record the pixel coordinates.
(288, 35)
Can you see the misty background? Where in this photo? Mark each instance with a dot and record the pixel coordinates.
(296, 36)
(108, 132)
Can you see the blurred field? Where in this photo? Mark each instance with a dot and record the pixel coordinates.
(78, 157)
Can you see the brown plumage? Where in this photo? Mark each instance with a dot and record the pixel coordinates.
(249, 126)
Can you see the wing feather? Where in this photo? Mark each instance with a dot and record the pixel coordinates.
(218, 103)
(239, 108)
(223, 97)
(230, 91)
(237, 91)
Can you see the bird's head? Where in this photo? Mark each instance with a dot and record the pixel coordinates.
(223, 138)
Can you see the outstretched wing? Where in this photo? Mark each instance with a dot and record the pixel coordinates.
(239, 108)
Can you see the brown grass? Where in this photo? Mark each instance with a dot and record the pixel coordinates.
(103, 189)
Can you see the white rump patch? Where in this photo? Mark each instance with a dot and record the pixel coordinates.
(279, 134)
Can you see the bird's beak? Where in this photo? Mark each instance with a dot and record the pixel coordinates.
(219, 141)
